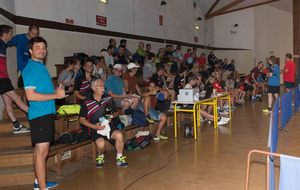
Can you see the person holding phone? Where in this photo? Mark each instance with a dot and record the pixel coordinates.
(40, 93)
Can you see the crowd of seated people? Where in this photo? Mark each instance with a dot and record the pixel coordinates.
(130, 79)
(149, 82)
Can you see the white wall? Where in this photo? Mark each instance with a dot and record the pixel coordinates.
(72, 42)
(209, 33)
(244, 59)
(273, 31)
(244, 36)
(8, 5)
(128, 16)
(264, 30)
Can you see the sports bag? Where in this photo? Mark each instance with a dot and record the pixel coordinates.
(69, 109)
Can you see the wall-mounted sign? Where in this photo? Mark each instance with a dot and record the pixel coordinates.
(161, 20)
(69, 21)
(101, 20)
(195, 39)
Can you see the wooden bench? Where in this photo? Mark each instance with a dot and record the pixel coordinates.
(58, 150)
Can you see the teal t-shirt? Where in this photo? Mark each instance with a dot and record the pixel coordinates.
(36, 76)
(114, 84)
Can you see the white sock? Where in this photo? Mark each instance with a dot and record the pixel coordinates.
(36, 181)
(119, 155)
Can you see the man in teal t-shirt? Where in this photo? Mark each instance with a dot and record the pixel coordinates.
(41, 95)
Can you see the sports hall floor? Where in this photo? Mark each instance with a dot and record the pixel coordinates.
(216, 161)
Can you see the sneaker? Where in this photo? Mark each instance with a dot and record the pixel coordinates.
(121, 161)
(253, 99)
(21, 129)
(259, 99)
(222, 122)
(150, 120)
(237, 105)
(224, 112)
(267, 110)
(49, 185)
(226, 119)
(156, 138)
(162, 137)
(100, 161)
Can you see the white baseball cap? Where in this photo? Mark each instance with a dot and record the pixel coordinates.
(118, 66)
(132, 65)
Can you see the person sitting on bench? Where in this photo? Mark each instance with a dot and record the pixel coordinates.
(93, 109)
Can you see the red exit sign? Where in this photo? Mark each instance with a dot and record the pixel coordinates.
(101, 20)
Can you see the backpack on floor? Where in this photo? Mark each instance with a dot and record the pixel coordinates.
(138, 143)
(188, 131)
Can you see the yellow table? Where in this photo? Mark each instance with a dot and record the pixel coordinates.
(195, 110)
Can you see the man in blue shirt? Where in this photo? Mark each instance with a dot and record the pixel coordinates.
(273, 83)
(114, 87)
(40, 93)
(20, 41)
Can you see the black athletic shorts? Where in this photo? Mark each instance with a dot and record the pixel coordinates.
(93, 135)
(42, 129)
(274, 89)
(5, 85)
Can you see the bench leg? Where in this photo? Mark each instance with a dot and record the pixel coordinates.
(59, 166)
(94, 151)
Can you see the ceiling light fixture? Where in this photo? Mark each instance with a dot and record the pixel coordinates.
(103, 1)
(197, 27)
(163, 3)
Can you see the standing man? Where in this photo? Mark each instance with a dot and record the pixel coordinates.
(254, 74)
(7, 91)
(20, 41)
(273, 83)
(289, 72)
(40, 93)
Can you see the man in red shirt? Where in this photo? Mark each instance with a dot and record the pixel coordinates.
(201, 60)
(289, 72)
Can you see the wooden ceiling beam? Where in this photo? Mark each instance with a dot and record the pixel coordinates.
(247, 7)
(226, 7)
(212, 8)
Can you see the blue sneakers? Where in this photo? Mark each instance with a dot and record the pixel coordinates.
(49, 185)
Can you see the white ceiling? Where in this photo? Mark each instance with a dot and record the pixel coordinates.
(285, 5)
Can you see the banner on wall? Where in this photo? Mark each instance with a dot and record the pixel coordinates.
(101, 20)
(161, 20)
